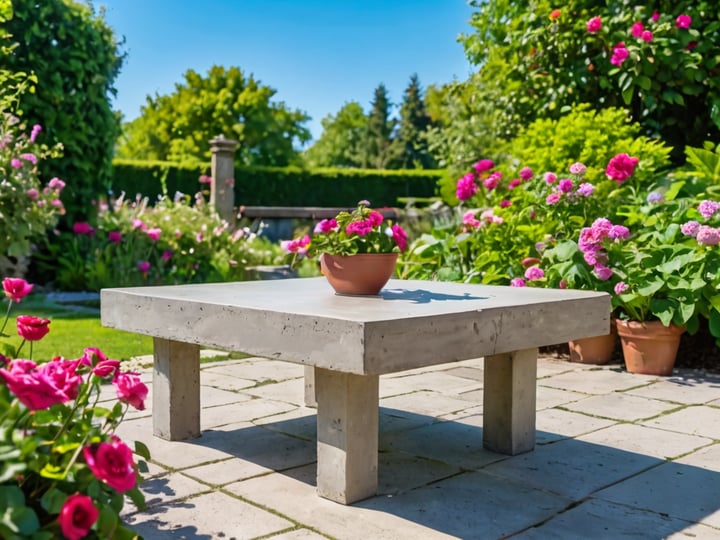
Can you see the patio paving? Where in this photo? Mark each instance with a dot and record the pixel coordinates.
(617, 455)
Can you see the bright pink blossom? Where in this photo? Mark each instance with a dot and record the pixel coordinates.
(683, 21)
(505, 203)
(466, 187)
(205, 179)
(166, 255)
(594, 25)
(138, 223)
(298, 245)
(492, 181)
(619, 232)
(16, 288)
(83, 228)
(620, 54)
(517, 282)
(36, 129)
(112, 463)
(400, 237)
(325, 226)
(32, 328)
(144, 266)
(637, 29)
(646, 36)
(553, 198)
(578, 168)
(115, 237)
(655, 16)
(565, 185)
(77, 516)
(154, 233)
(63, 376)
(16, 163)
(585, 189)
(33, 194)
(514, 183)
(32, 158)
(130, 389)
(620, 287)
(483, 165)
(31, 386)
(621, 167)
(56, 183)
(602, 272)
(550, 177)
(526, 173)
(470, 220)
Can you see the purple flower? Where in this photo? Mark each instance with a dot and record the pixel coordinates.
(708, 208)
(533, 273)
(618, 232)
(709, 236)
(585, 189)
(690, 228)
(655, 197)
(603, 272)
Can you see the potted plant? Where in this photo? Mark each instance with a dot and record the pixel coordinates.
(358, 250)
(63, 471)
(667, 270)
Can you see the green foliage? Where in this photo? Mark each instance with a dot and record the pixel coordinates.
(341, 139)
(275, 186)
(75, 57)
(536, 61)
(177, 127)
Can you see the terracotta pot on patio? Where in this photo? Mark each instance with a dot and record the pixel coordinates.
(649, 347)
(362, 274)
(594, 350)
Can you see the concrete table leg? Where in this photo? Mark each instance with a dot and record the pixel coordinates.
(347, 432)
(509, 402)
(310, 400)
(176, 390)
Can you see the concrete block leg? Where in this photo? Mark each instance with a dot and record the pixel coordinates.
(347, 427)
(310, 400)
(176, 390)
(509, 402)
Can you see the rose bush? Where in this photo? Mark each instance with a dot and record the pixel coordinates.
(63, 471)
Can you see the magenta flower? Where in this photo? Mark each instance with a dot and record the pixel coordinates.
(16, 288)
(77, 516)
(166, 255)
(655, 16)
(621, 167)
(618, 232)
(646, 36)
(112, 463)
(32, 328)
(690, 228)
(637, 29)
(620, 287)
(483, 165)
(154, 233)
(514, 183)
(16, 163)
(83, 228)
(466, 187)
(565, 185)
(470, 220)
(602, 272)
(144, 266)
(505, 203)
(33, 194)
(683, 21)
(298, 245)
(400, 237)
(115, 237)
(517, 282)
(326, 226)
(526, 173)
(594, 25)
(620, 54)
(138, 224)
(708, 208)
(533, 273)
(130, 389)
(492, 181)
(32, 158)
(36, 129)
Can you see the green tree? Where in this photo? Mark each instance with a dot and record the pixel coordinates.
(177, 127)
(75, 58)
(536, 59)
(341, 139)
(381, 149)
(414, 123)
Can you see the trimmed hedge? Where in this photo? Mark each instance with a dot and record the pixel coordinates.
(280, 186)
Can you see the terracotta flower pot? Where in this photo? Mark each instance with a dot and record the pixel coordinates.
(649, 347)
(362, 274)
(594, 350)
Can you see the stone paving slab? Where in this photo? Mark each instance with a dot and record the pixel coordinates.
(597, 471)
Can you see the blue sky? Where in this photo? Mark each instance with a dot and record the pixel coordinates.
(317, 54)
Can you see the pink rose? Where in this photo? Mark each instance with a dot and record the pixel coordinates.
(130, 389)
(620, 54)
(578, 168)
(325, 226)
(637, 29)
(32, 328)
(646, 36)
(621, 167)
(683, 21)
(466, 187)
(61, 373)
(400, 237)
(16, 288)
(112, 462)
(31, 386)
(77, 516)
(594, 25)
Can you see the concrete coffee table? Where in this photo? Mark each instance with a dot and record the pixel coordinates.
(350, 341)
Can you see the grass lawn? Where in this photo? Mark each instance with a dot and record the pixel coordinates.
(73, 328)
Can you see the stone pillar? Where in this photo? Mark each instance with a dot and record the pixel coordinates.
(222, 171)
